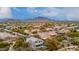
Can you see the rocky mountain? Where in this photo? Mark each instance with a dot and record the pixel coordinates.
(6, 20)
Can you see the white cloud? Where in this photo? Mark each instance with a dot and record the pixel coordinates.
(69, 13)
(47, 12)
(50, 12)
(32, 10)
(5, 12)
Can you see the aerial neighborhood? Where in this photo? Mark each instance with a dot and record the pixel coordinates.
(39, 36)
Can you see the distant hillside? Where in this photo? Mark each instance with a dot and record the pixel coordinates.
(39, 19)
(36, 19)
(6, 20)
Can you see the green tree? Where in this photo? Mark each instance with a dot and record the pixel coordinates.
(73, 34)
(49, 24)
(75, 41)
(19, 42)
(4, 45)
(51, 43)
(59, 38)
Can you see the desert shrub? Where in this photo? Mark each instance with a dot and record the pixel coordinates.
(20, 42)
(59, 38)
(75, 41)
(73, 33)
(4, 45)
(51, 43)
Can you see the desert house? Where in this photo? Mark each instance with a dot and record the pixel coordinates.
(35, 42)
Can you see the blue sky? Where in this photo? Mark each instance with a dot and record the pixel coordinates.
(59, 13)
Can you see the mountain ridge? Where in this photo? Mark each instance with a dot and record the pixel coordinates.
(34, 19)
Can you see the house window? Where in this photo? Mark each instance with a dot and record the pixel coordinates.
(39, 45)
(40, 41)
